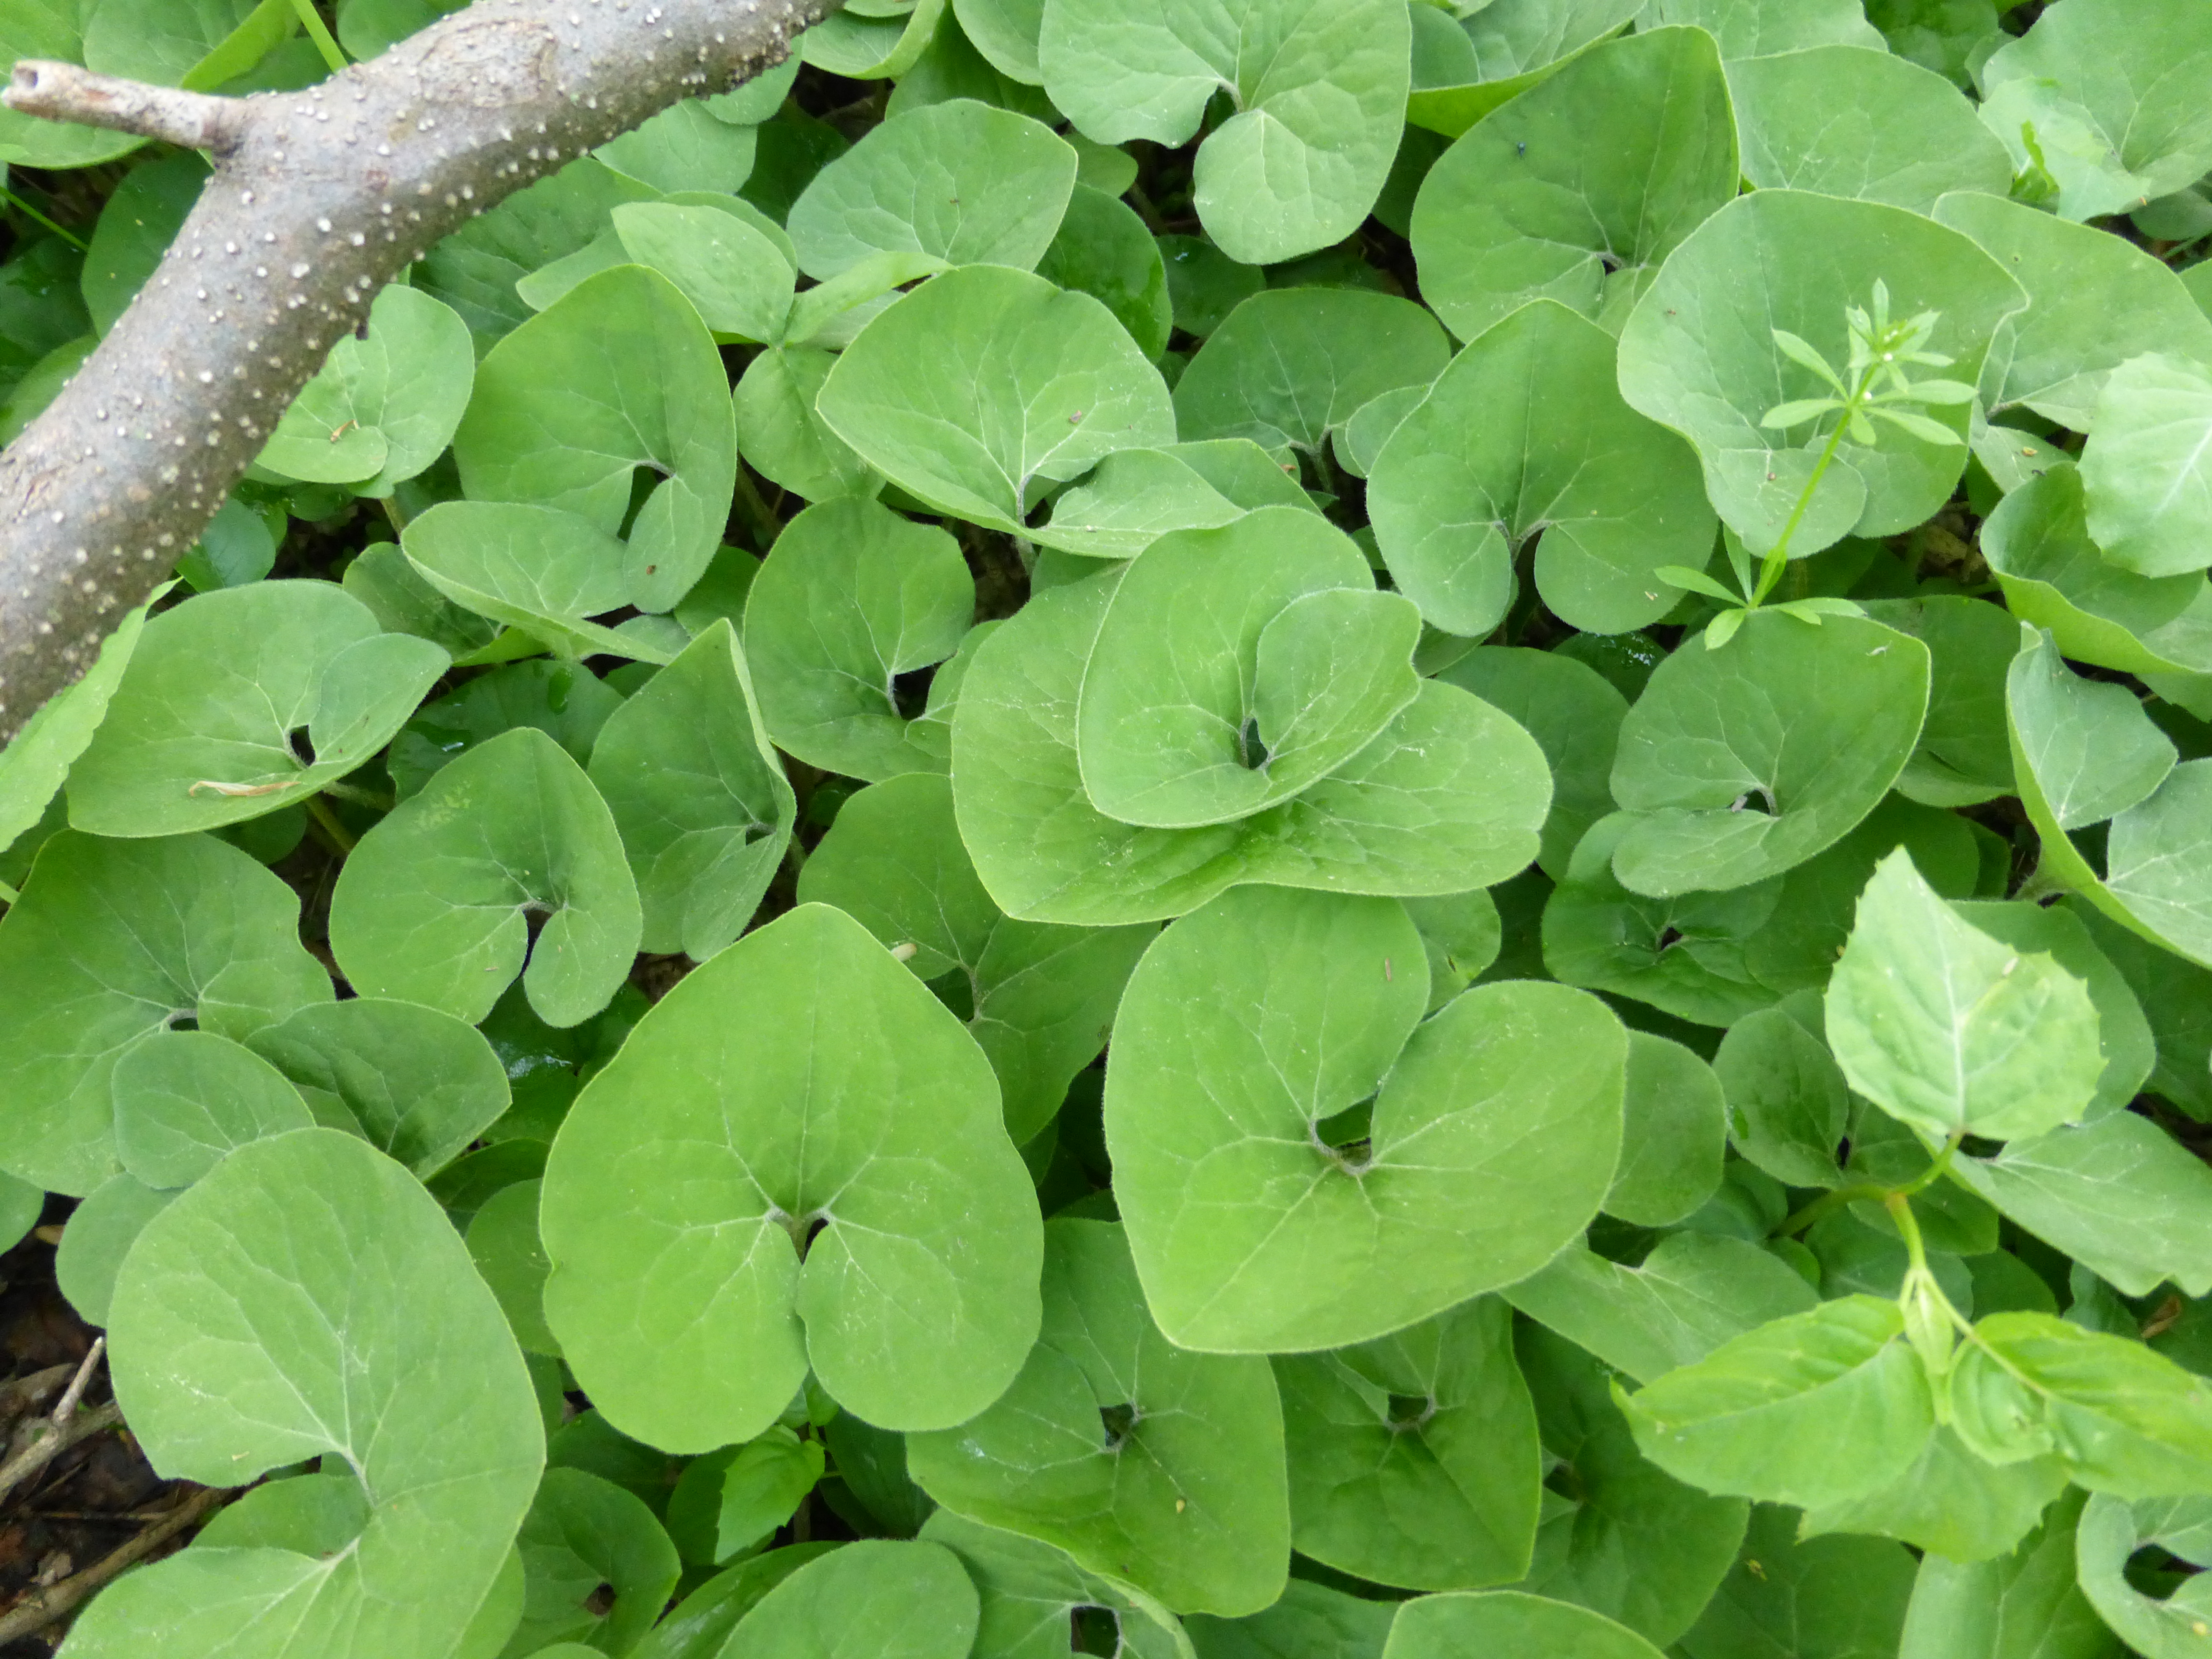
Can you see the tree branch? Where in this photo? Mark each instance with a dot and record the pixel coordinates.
(318, 199)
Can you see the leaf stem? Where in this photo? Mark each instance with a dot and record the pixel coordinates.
(340, 838)
(319, 32)
(762, 524)
(24, 207)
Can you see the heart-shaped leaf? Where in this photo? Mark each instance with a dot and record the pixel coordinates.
(184, 1099)
(383, 404)
(536, 569)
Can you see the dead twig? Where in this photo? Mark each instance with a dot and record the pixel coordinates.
(42, 1608)
(65, 1429)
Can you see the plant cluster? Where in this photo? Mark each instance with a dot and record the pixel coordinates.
(1580, 626)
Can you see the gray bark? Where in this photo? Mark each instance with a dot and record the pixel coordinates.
(318, 199)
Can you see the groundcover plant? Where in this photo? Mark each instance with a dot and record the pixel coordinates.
(1331, 829)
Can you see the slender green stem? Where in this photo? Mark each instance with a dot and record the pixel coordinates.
(1908, 1228)
(340, 838)
(1778, 559)
(763, 524)
(319, 32)
(367, 797)
(395, 512)
(8, 895)
(1828, 1204)
(25, 208)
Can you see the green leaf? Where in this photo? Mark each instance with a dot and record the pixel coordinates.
(1104, 249)
(1694, 1292)
(1030, 1593)
(1823, 1598)
(1953, 1032)
(582, 1533)
(890, 1600)
(2145, 473)
(1578, 188)
(1236, 668)
(781, 435)
(1041, 385)
(183, 1099)
(1464, 69)
(1575, 716)
(1137, 495)
(112, 942)
(1246, 1027)
(962, 181)
(1698, 355)
(1689, 955)
(617, 375)
(200, 730)
(1788, 1107)
(1950, 1502)
(1673, 1136)
(702, 804)
(916, 1300)
(1005, 32)
(1508, 1621)
(2120, 1194)
(1760, 28)
(852, 597)
(436, 904)
(403, 602)
(1525, 437)
(385, 403)
(1449, 797)
(2110, 1532)
(2096, 300)
(1042, 996)
(1964, 757)
(1813, 725)
(100, 1232)
(2175, 1000)
(685, 147)
(1289, 366)
(731, 263)
(732, 1501)
(699, 1626)
(52, 29)
(1179, 1491)
(1319, 96)
(2024, 1604)
(2126, 1420)
(1815, 1409)
(861, 47)
(1204, 283)
(1851, 120)
(2101, 87)
(1413, 1458)
(308, 1298)
(564, 700)
(1310, 1621)
(536, 569)
(502, 1239)
(1633, 1543)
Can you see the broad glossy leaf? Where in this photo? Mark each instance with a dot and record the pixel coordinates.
(184, 1099)
(852, 597)
(1822, 1598)
(861, 1122)
(1508, 1621)
(962, 181)
(41, 753)
(703, 805)
(1954, 1032)
(2159, 860)
(1633, 1543)
(1104, 249)
(1693, 1292)
(536, 569)
(729, 259)
(502, 1239)
(1030, 1592)
(1788, 1107)
(1310, 1621)
(699, 1626)
(1759, 28)
(1204, 283)
(1525, 438)
(2103, 88)
(2120, 1194)
(684, 147)
(2125, 1421)
(1851, 121)
(584, 1533)
(1450, 795)
(1951, 1503)
(437, 903)
(1812, 724)
(1319, 92)
(1236, 668)
(1697, 354)
(617, 375)
(1005, 32)
(1964, 757)
(889, 1600)
(2144, 474)
(2175, 1000)
(782, 436)
(861, 47)
(1464, 68)
(112, 942)
(1289, 366)
(730, 1502)
(1138, 495)
(1181, 1492)
(308, 1298)
(385, 403)
(1674, 1133)
(1573, 714)
(1576, 190)
(986, 383)
(1688, 956)
(1413, 1458)
(2110, 1532)
(1042, 996)
(100, 1232)
(2096, 299)
(200, 730)
(1815, 1409)
(2024, 1604)
(1493, 1139)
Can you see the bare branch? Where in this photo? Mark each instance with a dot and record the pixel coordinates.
(42, 1608)
(66, 91)
(318, 199)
